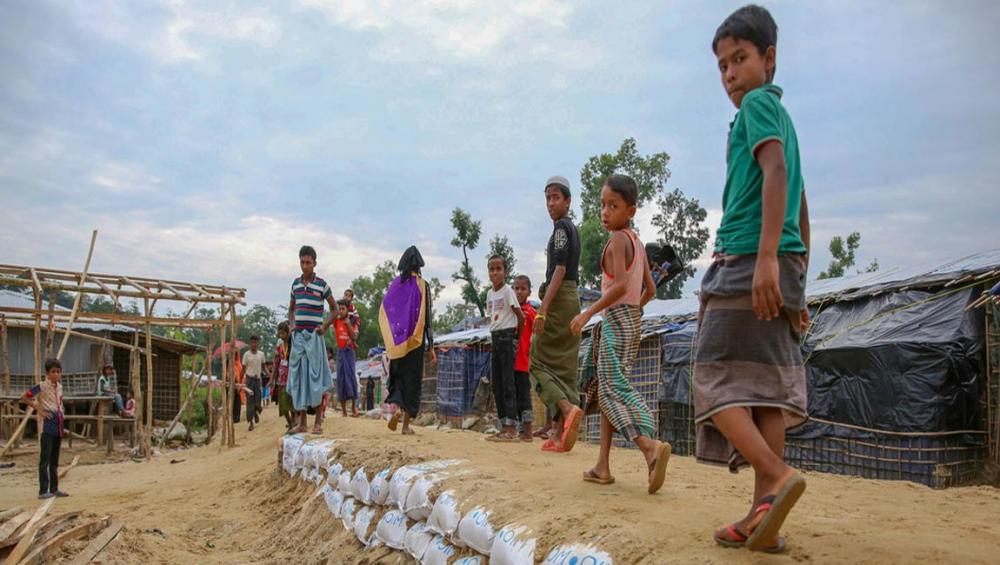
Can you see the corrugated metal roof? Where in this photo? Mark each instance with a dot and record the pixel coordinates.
(12, 299)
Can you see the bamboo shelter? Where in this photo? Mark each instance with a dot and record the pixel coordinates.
(128, 331)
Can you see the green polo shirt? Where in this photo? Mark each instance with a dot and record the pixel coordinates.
(761, 118)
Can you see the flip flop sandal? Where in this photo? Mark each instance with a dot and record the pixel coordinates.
(658, 467)
(591, 477)
(777, 508)
(542, 433)
(527, 439)
(737, 539)
(317, 431)
(571, 428)
(394, 421)
(549, 445)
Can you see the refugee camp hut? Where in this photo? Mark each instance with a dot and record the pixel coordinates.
(463, 359)
(901, 375)
(125, 328)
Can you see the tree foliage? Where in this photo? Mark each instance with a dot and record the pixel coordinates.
(368, 293)
(650, 174)
(680, 223)
(500, 245)
(467, 234)
(843, 252)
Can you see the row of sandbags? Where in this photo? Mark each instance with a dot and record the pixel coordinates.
(431, 529)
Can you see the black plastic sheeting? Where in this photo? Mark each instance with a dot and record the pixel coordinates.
(899, 362)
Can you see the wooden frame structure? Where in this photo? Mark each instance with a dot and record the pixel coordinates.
(151, 292)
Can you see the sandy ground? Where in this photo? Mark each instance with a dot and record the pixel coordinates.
(233, 506)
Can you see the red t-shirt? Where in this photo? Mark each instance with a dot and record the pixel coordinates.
(522, 362)
(343, 333)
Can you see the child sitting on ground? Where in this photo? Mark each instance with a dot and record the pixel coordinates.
(626, 286)
(506, 322)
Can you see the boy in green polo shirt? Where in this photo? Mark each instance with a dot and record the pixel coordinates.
(749, 383)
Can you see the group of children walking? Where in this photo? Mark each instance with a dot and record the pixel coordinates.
(749, 380)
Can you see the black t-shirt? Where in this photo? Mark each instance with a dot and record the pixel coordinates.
(563, 249)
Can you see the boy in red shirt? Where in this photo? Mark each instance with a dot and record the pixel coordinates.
(345, 329)
(522, 362)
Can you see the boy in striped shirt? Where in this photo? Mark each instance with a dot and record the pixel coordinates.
(309, 374)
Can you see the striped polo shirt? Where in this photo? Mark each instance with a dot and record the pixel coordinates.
(309, 302)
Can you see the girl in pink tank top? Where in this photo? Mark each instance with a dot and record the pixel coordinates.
(627, 285)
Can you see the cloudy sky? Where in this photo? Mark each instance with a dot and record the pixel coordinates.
(206, 141)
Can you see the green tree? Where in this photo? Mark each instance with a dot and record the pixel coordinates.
(500, 245)
(650, 174)
(467, 233)
(843, 252)
(680, 222)
(453, 315)
(261, 321)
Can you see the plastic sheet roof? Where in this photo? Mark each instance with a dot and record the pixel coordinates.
(11, 299)
(659, 313)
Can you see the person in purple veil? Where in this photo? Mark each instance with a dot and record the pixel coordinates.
(405, 319)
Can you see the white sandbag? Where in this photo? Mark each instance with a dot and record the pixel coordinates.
(333, 471)
(510, 548)
(363, 526)
(577, 554)
(344, 484)
(320, 452)
(418, 502)
(347, 514)
(318, 477)
(359, 486)
(301, 456)
(475, 531)
(471, 560)
(378, 490)
(438, 552)
(403, 478)
(334, 500)
(418, 537)
(444, 516)
(391, 529)
(290, 449)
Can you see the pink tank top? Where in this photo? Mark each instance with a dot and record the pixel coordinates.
(634, 272)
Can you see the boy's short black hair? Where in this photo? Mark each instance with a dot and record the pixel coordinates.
(751, 23)
(503, 260)
(351, 290)
(254, 338)
(329, 350)
(307, 251)
(342, 302)
(625, 187)
(524, 278)
(52, 363)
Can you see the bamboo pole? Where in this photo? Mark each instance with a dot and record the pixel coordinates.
(79, 296)
(227, 408)
(149, 383)
(134, 371)
(17, 433)
(51, 325)
(232, 388)
(38, 357)
(6, 353)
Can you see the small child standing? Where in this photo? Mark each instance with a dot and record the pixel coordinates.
(346, 331)
(281, 396)
(522, 362)
(749, 382)
(47, 399)
(506, 322)
(626, 286)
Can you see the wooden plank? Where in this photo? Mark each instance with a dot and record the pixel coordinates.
(48, 550)
(12, 525)
(98, 545)
(29, 532)
(176, 292)
(10, 513)
(6, 354)
(44, 525)
(18, 431)
(65, 471)
(148, 436)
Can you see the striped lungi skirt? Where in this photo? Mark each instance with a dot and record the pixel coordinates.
(742, 361)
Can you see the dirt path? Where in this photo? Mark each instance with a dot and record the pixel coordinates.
(233, 506)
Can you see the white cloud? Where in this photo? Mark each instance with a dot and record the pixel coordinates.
(179, 34)
(123, 177)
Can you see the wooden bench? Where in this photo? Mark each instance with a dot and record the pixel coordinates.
(107, 427)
